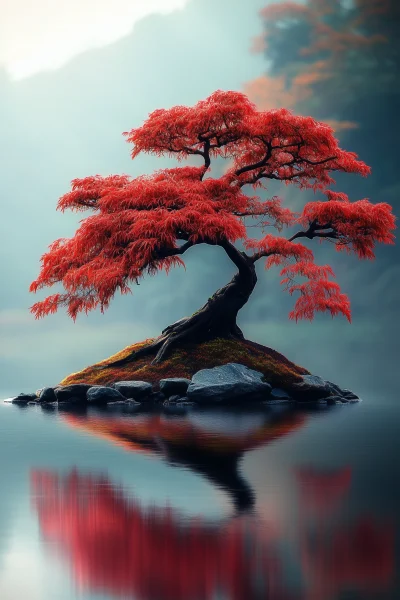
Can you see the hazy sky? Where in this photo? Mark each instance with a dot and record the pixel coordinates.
(46, 34)
(74, 76)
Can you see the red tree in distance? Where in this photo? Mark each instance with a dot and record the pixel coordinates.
(146, 224)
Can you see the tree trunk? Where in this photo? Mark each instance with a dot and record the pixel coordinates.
(216, 319)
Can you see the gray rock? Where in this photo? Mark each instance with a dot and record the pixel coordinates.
(232, 382)
(349, 395)
(335, 389)
(23, 399)
(174, 398)
(156, 397)
(75, 393)
(174, 385)
(134, 389)
(47, 395)
(279, 394)
(100, 394)
(311, 388)
(335, 400)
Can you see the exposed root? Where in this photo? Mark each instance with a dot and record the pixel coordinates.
(216, 319)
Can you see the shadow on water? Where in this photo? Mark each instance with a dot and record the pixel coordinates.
(118, 546)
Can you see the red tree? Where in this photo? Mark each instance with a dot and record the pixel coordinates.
(146, 224)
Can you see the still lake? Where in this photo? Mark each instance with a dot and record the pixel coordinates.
(200, 505)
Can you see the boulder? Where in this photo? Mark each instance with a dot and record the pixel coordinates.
(100, 394)
(232, 382)
(335, 389)
(174, 398)
(157, 397)
(134, 389)
(335, 400)
(22, 399)
(47, 394)
(75, 393)
(311, 388)
(349, 395)
(279, 394)
(174, 385)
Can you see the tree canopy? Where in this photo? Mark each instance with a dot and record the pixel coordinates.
(144, 224)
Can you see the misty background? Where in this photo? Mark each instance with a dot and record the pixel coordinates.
(63, 119)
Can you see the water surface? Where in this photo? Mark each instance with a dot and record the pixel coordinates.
(202, 505)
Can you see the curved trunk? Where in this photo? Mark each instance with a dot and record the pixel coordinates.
(216, 319)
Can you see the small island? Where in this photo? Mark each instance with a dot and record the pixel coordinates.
(142, 225)
(193, 376)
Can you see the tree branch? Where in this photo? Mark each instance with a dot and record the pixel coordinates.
(257, 165)
(314, 230)
(240, 259)
(175, 251)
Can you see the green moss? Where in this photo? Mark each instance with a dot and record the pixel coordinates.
(184, 362)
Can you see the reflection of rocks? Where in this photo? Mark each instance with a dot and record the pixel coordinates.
(229, 383)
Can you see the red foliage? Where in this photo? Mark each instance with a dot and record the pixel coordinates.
(317, 292)
(145, 224)
(357, 225)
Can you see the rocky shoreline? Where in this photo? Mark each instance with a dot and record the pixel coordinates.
(229, 384)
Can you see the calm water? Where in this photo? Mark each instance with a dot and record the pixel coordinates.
(204, 505)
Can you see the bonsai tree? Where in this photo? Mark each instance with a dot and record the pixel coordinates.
(145, 224)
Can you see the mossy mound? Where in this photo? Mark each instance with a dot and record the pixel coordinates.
(184, 362)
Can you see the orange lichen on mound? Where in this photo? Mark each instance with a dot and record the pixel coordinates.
(184, 362)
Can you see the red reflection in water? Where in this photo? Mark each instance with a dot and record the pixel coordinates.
(143, 433)
(321, 492)
(338, 555)
(118, 547)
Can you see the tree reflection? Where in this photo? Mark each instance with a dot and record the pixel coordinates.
(210, 443)
(115, 545)
(336, 553)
